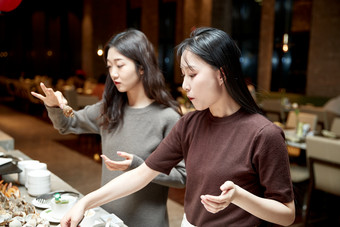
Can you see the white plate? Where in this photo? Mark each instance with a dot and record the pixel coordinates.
(41, 205)
(48, 215)
(5, 161)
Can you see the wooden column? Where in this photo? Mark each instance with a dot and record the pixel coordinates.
(150, 21)
(190, 14)
(266, 45)
(323, 72)
(87, 39)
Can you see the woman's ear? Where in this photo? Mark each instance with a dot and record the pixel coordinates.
(141, 70)
(222, 77)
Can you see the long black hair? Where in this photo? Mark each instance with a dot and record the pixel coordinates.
(216, 48)
(134, 45)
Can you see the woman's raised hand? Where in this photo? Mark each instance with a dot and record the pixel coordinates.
(51, 98)
(118, 165)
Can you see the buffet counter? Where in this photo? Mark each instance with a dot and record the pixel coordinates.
(6, 141)
(57, 184)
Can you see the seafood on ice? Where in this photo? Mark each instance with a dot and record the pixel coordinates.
(15, 211)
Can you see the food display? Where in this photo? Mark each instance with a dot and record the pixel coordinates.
(15, 211)
(9, 190)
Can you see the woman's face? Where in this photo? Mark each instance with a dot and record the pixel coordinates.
(202, 82)
(122, 71)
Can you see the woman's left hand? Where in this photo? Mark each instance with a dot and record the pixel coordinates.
(118, 165)
(214, 204)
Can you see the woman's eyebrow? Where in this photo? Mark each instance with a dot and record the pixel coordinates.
(190, 67)
(117, 59)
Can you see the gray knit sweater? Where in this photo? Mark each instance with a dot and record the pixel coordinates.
(139, 134)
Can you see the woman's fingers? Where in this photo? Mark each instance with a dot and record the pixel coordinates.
(215, 204)
(108, 162)
(228, 185)
(208, 207)
(125, 155)
(43, 87)
(104, 157)
(37, 95)
(117, 165)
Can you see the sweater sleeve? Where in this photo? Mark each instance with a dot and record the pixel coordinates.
(84, 120)
(272, 163)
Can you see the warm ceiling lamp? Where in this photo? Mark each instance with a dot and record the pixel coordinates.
(285, 43)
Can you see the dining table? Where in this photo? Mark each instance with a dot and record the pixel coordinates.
(93, 217)
(292, 139)
(296, 147)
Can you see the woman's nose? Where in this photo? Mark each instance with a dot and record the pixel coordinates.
(114, 75)
(185, 85)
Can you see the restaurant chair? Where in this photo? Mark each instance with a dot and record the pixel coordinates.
(336, 126)
(306, 118)
(291, 122)
(324, 165)
(323, 116)
(299, 173)
(300, 179)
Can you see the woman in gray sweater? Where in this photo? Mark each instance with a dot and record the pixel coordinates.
(134, 116)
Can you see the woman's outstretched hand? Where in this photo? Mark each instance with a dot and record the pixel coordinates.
(214, 204)
(51, 98)
(118, 165)
(74, 216)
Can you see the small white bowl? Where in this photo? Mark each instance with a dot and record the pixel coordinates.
(60, 209)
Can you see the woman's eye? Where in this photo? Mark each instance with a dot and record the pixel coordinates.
(119, 66)
(190, 75)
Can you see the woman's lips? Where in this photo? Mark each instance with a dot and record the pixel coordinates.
(117, 83)
(190, 98)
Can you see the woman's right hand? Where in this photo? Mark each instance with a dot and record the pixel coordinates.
(74, 216)
(118, 165)
(51, 98)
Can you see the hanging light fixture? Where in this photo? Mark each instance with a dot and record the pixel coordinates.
(285, 43)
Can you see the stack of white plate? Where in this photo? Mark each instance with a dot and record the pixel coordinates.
(31, 167)
(22, 165)
(38, 182)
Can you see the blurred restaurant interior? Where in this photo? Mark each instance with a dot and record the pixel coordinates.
(290, 59)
